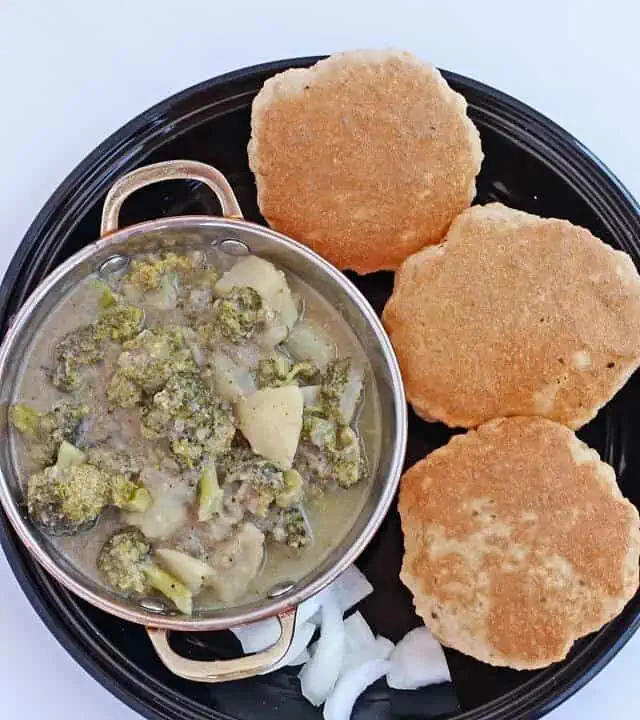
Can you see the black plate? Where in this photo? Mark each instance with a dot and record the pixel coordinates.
(530, 164)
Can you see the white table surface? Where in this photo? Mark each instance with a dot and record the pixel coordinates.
(73, 72)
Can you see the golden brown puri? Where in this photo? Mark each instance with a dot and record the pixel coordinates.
(365, 157)
(517, 542)
(514, 315)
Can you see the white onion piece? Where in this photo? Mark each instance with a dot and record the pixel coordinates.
(380, 649)
(308, 609)
(301, 659)
(350, 588)
(301, 638)
(351, 394)
(273, 336)
(357, 633)
(189, 570)
(167, 514)
(417, 661)
(262, 634)
(259, 635)
(311, 394)
(349, 688)
(309, 341)
(319, 675)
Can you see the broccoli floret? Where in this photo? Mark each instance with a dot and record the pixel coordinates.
(129, 495)
(334, 383)
(240, 314)
(341, 390)
(126, 564)
(262, 484)
(292, 489)
(122, 560)
(197, 294)
(64, 500)
(272, 371)
(120, 322)
(317, 428)
(45, 431)
(126, 492)
(346, 459)
(149, 274)
(69, 496)
(159, 279)
(338, 445)
(122, 392)
(276, 372)
(146, 363)
(76, 350)
(296, 533)
(68, 419)
(106, 296)
(113, 461)
(210, 494)
(28, 421)
(196, 423)
(260, 481)
(69, 455)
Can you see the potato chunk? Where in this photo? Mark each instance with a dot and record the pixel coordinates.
(309, 341)
(271, 420)
(235, 562)
(264, 278)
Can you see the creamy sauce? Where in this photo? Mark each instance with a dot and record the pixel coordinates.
(330, 516)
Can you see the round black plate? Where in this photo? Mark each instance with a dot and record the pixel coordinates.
(530, 164)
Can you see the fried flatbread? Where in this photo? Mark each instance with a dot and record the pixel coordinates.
(514, 315)
(365, 157)
(517, 542)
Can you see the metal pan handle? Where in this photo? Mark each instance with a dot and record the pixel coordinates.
(215, 671)
(159, 172)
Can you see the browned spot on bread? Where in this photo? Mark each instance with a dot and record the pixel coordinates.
(366, 157)
(514, 315)
(518, 541)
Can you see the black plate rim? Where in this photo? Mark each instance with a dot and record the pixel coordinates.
(541, 697)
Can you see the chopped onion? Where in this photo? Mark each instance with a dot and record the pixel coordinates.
(351, 394)
(357, 633)
(311, 394)
(345, 592)
(308, 608)
(259, 635)
(301, 659)
(189, 570)
(350, 588)
(262, 634)
(349, 688)
(417, 661)
(380, 649)
(319, 675)
(301, 638)
(309, 341)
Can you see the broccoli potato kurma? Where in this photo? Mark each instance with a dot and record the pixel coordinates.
(195, 428)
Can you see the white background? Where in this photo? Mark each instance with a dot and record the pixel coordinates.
(73, 72)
